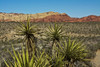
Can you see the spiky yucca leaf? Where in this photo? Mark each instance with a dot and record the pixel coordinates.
(57, 60)
(72, 51)
(55, 33)
(28, 31)
(23, 60)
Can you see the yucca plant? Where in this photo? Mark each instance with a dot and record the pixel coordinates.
(28, 32)
(72, 51)
(55, 34)
(57, 60)
(23, 60)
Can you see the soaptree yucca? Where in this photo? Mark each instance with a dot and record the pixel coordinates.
(57, 60)
(55, 33)
(72, 51)
(23, 59)
(28, 32)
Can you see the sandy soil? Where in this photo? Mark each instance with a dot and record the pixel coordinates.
(96, 60)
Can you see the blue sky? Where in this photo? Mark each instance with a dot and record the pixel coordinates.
(74, 8)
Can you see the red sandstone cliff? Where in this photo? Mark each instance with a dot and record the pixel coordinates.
(46, 17)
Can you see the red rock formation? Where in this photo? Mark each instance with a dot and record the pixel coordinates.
(54, 18)
(46, 17)
(66, 18)
(91, 18)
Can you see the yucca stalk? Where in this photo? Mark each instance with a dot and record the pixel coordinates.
(72, 51)
(28, 32)
(23, 60)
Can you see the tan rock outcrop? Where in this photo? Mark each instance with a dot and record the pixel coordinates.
(45, 17)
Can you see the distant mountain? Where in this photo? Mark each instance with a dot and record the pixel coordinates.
(45, 17)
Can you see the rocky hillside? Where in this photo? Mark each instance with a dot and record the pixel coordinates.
(46, 17)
